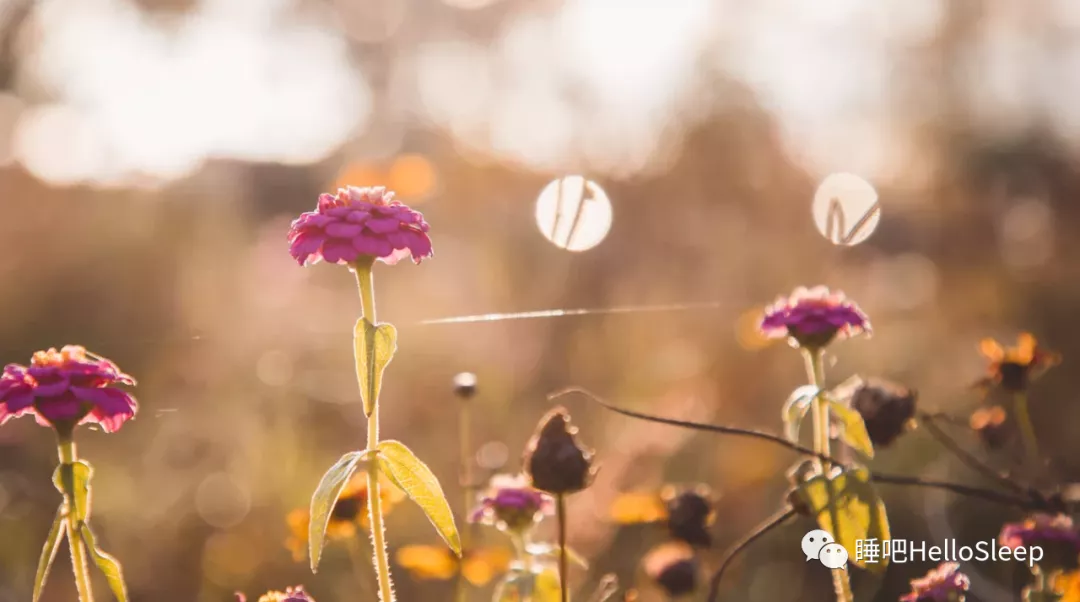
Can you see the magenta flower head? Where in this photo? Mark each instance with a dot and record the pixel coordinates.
(68, 387)
(510, 504)
(1056, 534)
(943, 584)
(359, 222)
(813, 318)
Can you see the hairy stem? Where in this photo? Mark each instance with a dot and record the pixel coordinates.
(773, 522)
(564, 587)
(79, 566)
(815, 371)
(364, 281)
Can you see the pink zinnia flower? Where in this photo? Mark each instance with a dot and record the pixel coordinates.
(1042, 530)
(814, 317)
(943, 584)
(511, 504)
(359, 222)
(65, 388)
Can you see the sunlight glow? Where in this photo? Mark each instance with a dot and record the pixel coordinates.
(846, 209)
(573, 213)
(163, 99)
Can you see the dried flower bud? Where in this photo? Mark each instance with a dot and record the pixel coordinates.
(554, 461)
(887, 409)
(465, 385)
(690, 513)
(992, 427)
(673, 567)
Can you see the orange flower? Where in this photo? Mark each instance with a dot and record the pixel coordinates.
(350, 512)
(438, 563)
(1067, 585)
(1012, 368)
(687, 511)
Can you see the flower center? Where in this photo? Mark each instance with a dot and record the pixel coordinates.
(348, 508)
(53, 358)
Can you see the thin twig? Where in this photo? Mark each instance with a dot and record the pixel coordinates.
(716, 428)
(967, 458)
(1030, 501)
(774, 521)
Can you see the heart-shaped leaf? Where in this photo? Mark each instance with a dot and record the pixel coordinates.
(421, 485)
(854, 428)
(847, 506)
(73, 481)
(795, 408)
(373, 348)
(324, 499)
(48, 552)
(107, 564)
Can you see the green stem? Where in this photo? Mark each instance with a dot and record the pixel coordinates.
(564, 587)
(464, 439)
(79, 566)
(364, 281)
(1027, 429)
(815, 371)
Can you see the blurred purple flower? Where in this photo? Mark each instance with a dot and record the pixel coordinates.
(358, 222)
(65, 388)
(814, 317)
(291, 594)
(512, 504)
(943, 584)
(1043, 530)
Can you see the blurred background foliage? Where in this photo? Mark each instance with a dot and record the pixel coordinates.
(154, 152)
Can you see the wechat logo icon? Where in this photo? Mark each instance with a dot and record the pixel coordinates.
(820, 545)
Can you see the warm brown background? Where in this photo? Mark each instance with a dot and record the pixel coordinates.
(175, 264)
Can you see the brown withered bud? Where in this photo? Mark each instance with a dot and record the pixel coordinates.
(554, 461)
(887, 408)
(690, 513)
(992, 426)
(673, 567)
(797, 502)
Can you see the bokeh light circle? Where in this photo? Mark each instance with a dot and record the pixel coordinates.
(846, 209)
(574, 213)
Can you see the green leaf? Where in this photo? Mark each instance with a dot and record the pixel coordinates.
(48, 551)
(373, 347)
(795, 409)
(324, 499)
(848, 507)
(107, 564)
(854, 429)
(73, 481)
(420, 484)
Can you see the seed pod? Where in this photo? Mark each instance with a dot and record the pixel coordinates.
(554, 461)
(465, 385)
(887, 409)
(689, 515)
(673, 567)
